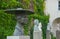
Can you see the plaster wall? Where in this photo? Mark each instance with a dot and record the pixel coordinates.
(51, 8)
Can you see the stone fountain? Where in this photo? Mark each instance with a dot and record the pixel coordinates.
(21, 17)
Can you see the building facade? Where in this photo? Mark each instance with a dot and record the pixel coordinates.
(52, 8)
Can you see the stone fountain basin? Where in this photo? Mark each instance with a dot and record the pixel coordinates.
(19, 11)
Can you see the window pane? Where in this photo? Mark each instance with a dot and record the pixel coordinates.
(59, 2)
(59, 5)
(59, 8)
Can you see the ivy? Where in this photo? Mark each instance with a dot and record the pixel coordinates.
(5, 4)
(8, 20)
(39, 14)
(7, 24)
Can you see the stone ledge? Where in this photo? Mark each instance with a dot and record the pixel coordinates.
(18, 37)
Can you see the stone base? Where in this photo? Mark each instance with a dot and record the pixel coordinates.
(18, 37)
(48, 35)
(37, 35)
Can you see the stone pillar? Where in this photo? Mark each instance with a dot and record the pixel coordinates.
(37, 35)
(48, 35)
(58, 34)
(48, 31)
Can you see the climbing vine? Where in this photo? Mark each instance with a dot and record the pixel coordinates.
(38, 8)
(6, 4)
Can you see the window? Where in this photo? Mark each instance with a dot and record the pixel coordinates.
(59, 5)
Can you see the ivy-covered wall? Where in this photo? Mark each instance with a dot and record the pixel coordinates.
(38, 7)
(7, 24)
(6, 4)
(8, 21)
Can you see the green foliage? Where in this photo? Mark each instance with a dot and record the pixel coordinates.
(26, 29)
(39, 6)
(39, 14)
(7, 24)
(5, 4)
(26, 4)
(7, 21)
(31, 34)
(44, 20)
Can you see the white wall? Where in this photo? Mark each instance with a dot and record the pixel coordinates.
(51, 8)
